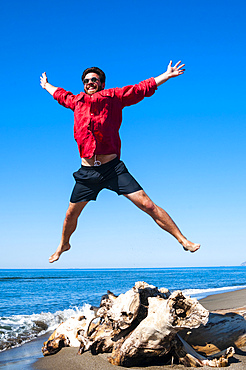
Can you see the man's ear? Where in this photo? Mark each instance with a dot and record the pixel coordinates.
(103, 86)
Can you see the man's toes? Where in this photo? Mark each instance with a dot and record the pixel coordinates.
(53, 258)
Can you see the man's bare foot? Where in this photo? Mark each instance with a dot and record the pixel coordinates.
(62, 248)
(189, 246)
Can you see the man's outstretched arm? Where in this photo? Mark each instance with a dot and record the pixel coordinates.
(46, 85)
(172, 71)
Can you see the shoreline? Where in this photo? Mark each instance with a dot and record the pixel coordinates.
(29, 355)
(67, 358)
(24, 356)
(225, 301)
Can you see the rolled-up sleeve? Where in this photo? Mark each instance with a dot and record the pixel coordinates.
(133, 94)
(65, 98)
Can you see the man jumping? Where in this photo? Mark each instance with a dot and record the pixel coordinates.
(97, 120)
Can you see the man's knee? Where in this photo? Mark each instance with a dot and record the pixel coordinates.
(147, 205)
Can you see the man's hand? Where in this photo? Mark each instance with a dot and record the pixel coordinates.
(43, 80)
(46, 85)
(172, 71)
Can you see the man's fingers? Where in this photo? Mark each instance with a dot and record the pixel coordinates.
(176, 65)
(43, 79)
(181, 66)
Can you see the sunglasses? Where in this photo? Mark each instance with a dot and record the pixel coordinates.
(87, 80)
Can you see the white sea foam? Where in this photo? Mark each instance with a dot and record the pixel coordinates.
(18, 329)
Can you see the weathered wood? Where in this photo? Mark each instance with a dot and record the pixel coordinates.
(122, 310)
(221, 331)
(154, 335)
(65, 335)
(190, 358)
(52, 346)
(143, 324)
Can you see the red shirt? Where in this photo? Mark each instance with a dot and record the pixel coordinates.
(98, 117)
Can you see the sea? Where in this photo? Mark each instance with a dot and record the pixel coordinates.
(34, 302)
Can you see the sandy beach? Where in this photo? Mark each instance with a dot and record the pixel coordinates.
(67, 358)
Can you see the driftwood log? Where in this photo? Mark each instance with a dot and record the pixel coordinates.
(142, 326)
(225, 328)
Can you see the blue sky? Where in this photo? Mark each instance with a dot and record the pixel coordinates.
(185, 145)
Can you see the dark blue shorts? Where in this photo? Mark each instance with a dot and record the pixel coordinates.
(113, 175)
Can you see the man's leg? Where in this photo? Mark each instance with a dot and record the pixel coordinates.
(69, 227)
(161, 217)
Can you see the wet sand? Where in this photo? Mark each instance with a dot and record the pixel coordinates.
(225, 301)
(67, 358)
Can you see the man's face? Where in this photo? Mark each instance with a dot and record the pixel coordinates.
(91, 87)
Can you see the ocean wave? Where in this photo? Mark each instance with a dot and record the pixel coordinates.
(18, 329)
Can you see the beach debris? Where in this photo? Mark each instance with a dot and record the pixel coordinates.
(189, 357)
(140, 327)
(224, 328)
(65, 335)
